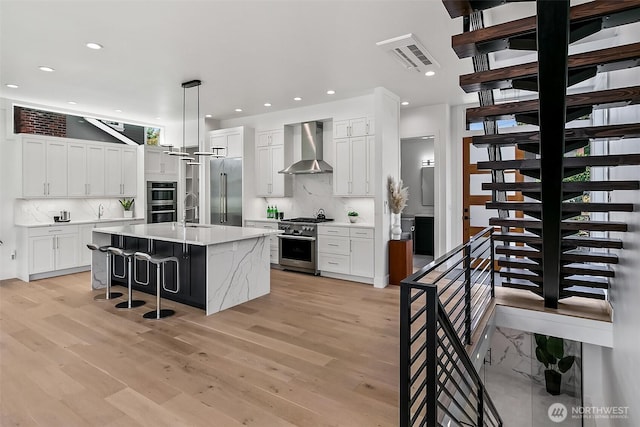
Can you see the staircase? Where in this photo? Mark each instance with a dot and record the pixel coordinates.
(546, 249)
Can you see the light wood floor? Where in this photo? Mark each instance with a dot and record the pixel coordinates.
(315, 352)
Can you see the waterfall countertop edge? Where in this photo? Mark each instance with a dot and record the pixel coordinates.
(192, 234)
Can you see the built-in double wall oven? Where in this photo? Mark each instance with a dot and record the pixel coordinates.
(162, 201)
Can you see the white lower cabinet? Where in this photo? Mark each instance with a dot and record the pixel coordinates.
(273, 240)
(346, 250)
(52, 248)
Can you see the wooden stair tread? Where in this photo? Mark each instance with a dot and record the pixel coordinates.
(565, 225)
(584, 292)
(569, 187)
(457, 8)
(569, 256)
(502, 78)
(494, 38)
(631, 130)
(566, 207)
(593, 242)
(568, 162)
(573, 269)
(565, 282)
(522, 284)
(588, 242)
(588, 270)
(603, 99)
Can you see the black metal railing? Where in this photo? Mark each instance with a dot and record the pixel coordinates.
(440, 308)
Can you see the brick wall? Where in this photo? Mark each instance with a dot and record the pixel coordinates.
(27, 120)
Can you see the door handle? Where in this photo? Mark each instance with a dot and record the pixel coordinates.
(44, 188)
(220, 198)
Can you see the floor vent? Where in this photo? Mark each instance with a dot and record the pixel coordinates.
(409, 52)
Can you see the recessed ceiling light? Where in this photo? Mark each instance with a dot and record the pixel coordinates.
(430, 73)
(208, 116)
(267, 104)
(72, 102)
(118, 111)
(404, 103)
(47, 69)
(11, 86)
(297, 98)
(95, 46)
(426, 137)
(238, 110)
(331, 92)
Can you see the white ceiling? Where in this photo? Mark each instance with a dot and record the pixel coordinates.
(245, 52)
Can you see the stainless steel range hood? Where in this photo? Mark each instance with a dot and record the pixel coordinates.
(311, 152)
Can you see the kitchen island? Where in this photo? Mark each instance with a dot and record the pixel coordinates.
(220, 266)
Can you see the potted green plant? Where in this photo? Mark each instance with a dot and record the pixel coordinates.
(353, 216)
(550, 352)
(127, 205)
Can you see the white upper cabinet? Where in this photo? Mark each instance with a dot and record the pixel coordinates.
(353, 166)
(270, 137)
(95, 170)
(158, 165)
(353, 156)
(86, 169)
(44, 168)
(272, 157)
(120, 171)
(55, 167)
(230, 141)
(361, 126)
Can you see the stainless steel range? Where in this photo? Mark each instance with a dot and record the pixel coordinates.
(298, 244)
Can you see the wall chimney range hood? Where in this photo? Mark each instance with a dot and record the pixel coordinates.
(311, 152)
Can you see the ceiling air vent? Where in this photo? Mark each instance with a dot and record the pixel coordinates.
(409, 52)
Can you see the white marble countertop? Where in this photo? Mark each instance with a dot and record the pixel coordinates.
(76, 222)
(346, 224)
(196, 234)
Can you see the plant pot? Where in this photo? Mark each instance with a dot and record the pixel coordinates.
(353, 219)
(128, 214)
(553, 381)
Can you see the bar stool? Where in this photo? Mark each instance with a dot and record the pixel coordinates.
(160, 261)
(127, 254)
(108, 294)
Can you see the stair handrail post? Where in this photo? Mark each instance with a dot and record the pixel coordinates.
(431, 356)
(467, 292)
(480, 405)
(405, 353)
(493, 263)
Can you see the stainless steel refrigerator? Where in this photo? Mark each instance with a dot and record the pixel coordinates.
(226, 191)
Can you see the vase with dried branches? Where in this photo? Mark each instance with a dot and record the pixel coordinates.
(398, 196)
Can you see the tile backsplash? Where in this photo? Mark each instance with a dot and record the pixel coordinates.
(37, 211)
(314, 192)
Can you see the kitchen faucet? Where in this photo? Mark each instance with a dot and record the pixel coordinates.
(184, 207)
(100, 211)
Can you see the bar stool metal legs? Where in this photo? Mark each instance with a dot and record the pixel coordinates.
(108, 294)
(160, 262)
(128, 256)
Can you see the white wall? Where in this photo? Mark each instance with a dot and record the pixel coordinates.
(433, 120)
(621, 376)
(9, 171)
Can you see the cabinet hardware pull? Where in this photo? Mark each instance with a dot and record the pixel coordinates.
(44, 188)
(332, 244)
(332, 263)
